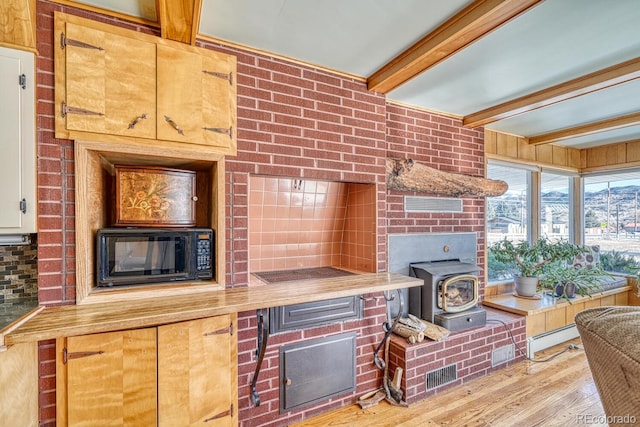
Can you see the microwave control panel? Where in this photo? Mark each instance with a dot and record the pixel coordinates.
(203, 256)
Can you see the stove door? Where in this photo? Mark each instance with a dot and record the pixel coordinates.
(458, 293)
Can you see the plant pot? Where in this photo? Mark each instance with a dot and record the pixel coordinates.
(568, 290)
(526, 286)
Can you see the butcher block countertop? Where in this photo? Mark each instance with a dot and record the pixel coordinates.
(72, 320)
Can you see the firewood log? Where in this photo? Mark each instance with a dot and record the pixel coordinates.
(407, 175)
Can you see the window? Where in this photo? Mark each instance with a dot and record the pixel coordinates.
(508, 214)
(612, 218)
(555, 207)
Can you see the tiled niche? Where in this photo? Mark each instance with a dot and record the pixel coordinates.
(302, 223)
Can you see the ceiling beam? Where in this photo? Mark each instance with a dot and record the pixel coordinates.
(179, 19)
(614, 123)
(460, 31)
(602, 79)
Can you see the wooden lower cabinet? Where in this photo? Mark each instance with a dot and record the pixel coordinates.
(177, 374)
(197, 373)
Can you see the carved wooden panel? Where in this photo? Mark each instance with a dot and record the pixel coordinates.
(151, 196)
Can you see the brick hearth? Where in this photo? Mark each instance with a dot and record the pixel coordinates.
(469, 350)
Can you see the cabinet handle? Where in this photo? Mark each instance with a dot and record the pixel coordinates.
(135, 121)
(174, 125)
(224, 76)
(221, 130)
(64, 42)
(74, 110)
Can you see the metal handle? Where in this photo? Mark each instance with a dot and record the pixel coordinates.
(174, 125)
(263, 337)
(287, 381)
(135, 121)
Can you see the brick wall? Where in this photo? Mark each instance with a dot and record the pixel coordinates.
(292, 121)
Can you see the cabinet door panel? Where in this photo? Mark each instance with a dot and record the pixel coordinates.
(219, 101)
(195, 375)
(197, 97)
(17, 142)
(111, 379)
(110, 83)
(10, 170)
(179, 95)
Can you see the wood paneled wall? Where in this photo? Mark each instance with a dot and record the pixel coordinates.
(514, 148)
(607, 157)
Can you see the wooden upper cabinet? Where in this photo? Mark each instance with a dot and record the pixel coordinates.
(110, 83)
(18, 29)
(196, 97)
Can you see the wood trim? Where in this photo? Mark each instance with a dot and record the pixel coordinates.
(108, 12)
(93, 160)
(627, 120)
(179, 19)
(463, 29)
(602, 79)
(61, 383)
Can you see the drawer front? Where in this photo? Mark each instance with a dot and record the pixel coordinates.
(312, 314)
(154, 197)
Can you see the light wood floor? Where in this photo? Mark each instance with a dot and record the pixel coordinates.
(556, 393)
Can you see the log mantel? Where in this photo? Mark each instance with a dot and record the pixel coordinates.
(72, 320)
(407, 175)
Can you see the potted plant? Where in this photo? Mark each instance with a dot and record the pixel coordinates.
(530, 259)
(565, 281)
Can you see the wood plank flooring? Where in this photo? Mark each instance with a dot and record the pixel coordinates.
(559, 392)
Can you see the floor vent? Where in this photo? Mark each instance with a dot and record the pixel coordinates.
(442, 376)
(503, 354)
(432, 204)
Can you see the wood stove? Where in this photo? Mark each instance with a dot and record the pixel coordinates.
(447, 264)
(449, 296)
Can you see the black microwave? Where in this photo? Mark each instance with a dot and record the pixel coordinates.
(131, 256)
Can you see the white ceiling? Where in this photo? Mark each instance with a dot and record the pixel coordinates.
(551, 43)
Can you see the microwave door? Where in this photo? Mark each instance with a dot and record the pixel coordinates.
(164, 260)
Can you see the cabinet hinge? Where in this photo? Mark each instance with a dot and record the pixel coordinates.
(22, 81)
(226, 413)
(223, 331)
(64, 42)
(23, 206)
(221, 130)
(78, 354)
(224, 76)
(74, 110)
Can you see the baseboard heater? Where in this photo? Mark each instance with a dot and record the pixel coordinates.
(551, 338)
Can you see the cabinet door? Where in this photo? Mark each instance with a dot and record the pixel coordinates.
(17, 142)
(197, 373)
(111, 379)
(197, 97)
(110, 83)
